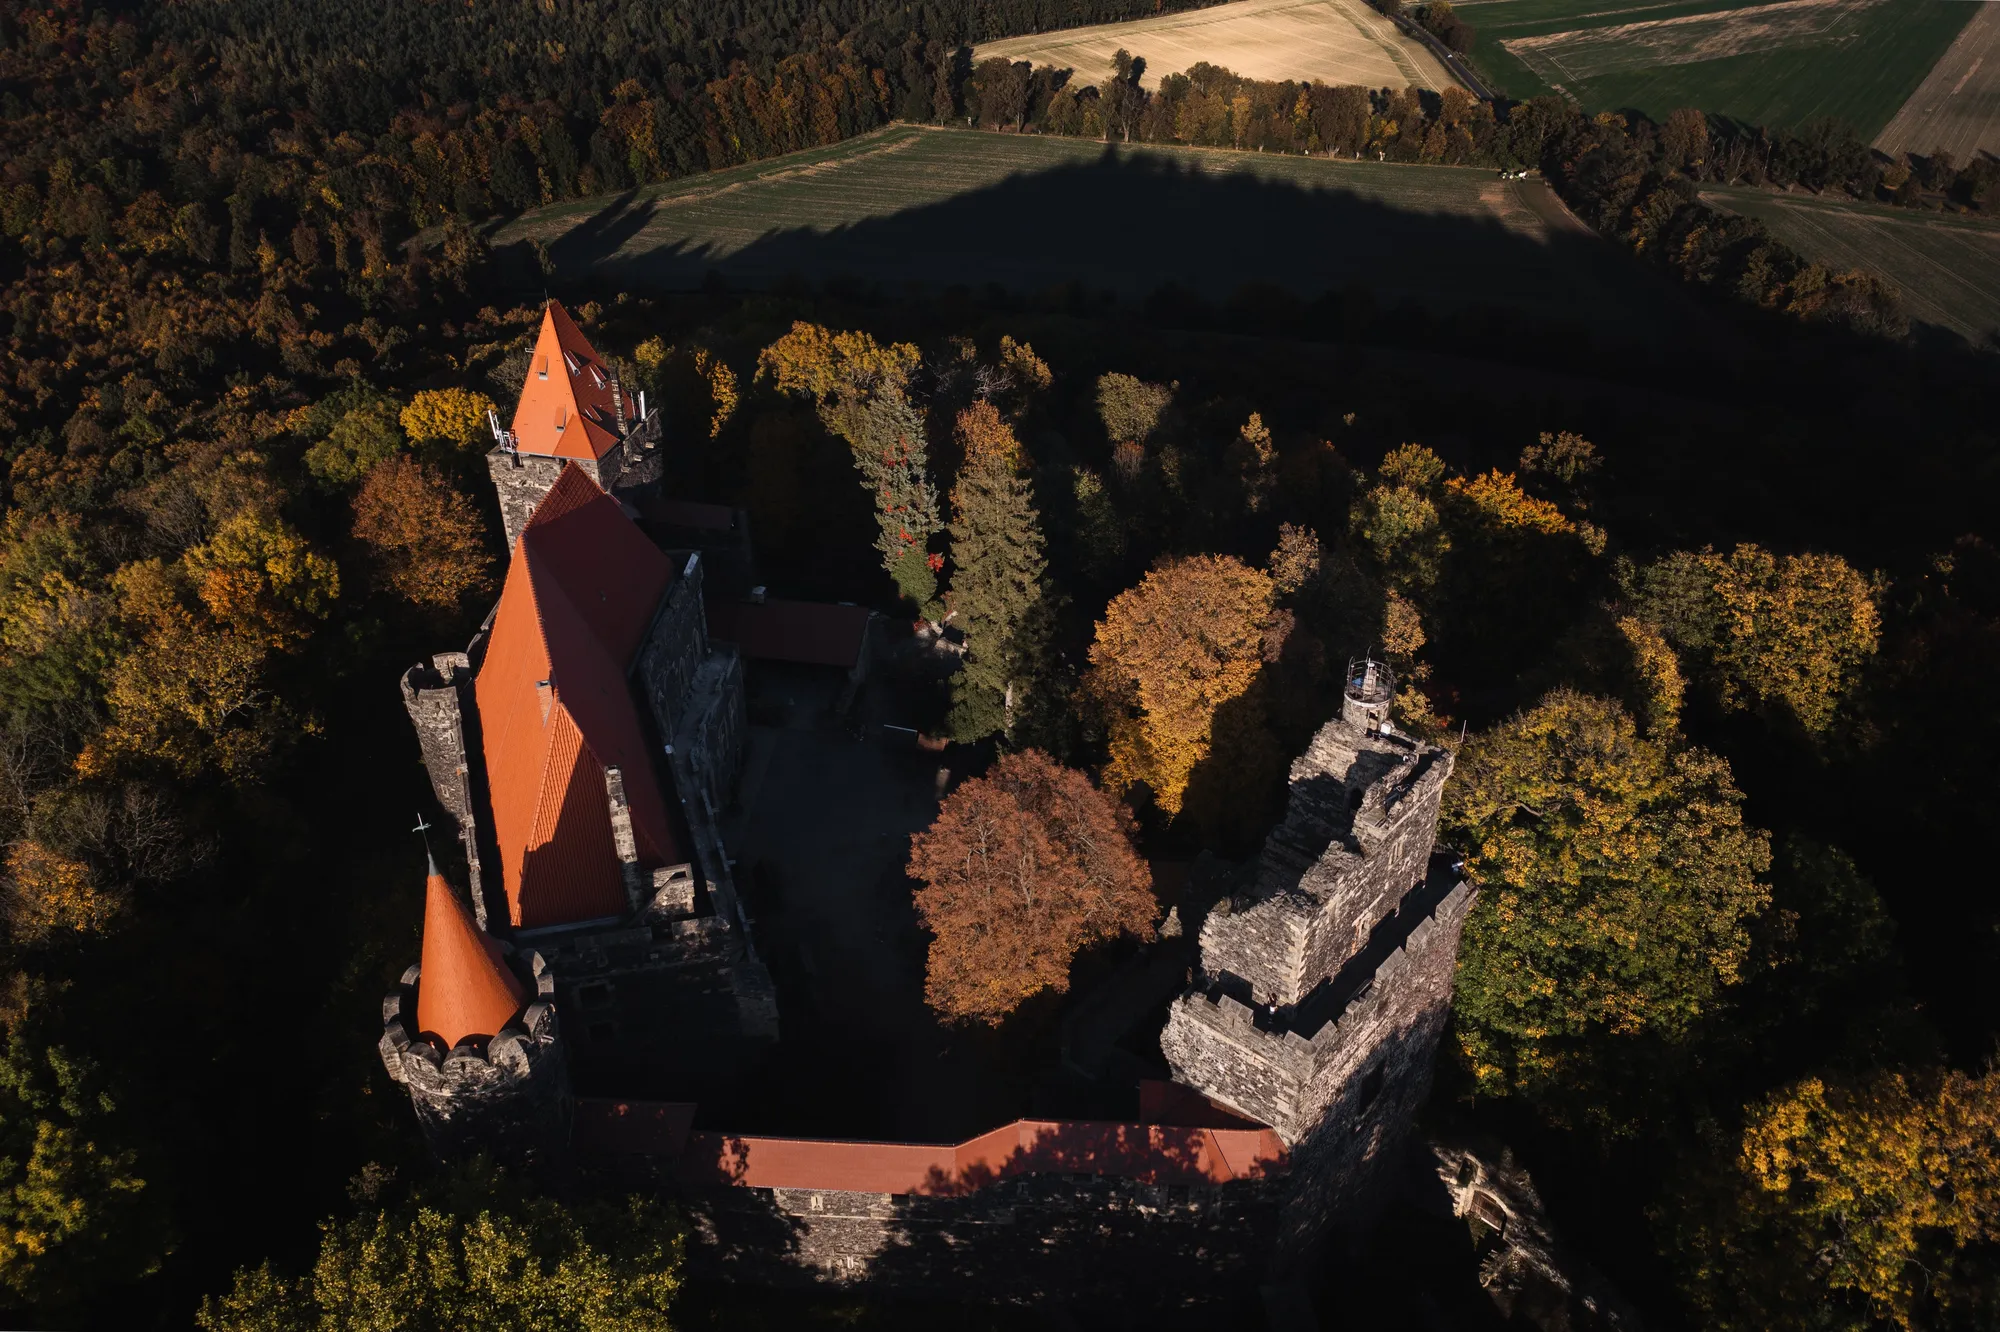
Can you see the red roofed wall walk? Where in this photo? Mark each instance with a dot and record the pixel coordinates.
(556, 709)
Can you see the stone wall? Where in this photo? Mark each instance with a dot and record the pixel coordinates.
(1079, 1240)
(675, 647)
(519, 482)
(437, 696)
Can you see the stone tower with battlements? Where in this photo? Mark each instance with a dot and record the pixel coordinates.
(471, 1032)
(1322, 990)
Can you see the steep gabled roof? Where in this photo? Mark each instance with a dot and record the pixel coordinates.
(555, 708)
(465, 987)
(566, 408)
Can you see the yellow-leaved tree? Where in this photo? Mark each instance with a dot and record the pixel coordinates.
(1789, 632)
(260, 577)
(449, 420)
(1853, 1203)
(1617, 881)
(1169, 652)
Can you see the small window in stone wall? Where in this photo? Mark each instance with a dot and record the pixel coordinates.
(1371, 1091)
(596, 995)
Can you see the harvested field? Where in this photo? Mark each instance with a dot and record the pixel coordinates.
(1947, 268)
(943, 208)
(1778, 64)
(1585, 53)
(1334, 41)
(1957, 108)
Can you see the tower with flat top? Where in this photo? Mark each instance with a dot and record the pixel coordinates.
(1321, 992)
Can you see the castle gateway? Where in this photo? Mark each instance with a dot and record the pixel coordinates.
(587, 741)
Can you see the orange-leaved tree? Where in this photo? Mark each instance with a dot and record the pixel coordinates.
(423, 535)
(1023, 867)
(1188, 639)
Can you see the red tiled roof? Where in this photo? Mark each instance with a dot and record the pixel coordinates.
(1152, 1153)
(566, 408)
(465, 987)
(555, 708)
(815, 632)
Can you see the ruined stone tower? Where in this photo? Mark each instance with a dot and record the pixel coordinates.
(471, 1031)
(1321, 992)
(573, 409)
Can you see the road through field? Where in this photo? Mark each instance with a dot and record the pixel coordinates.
(1334, 41)
(913, 206)
(1957, 108)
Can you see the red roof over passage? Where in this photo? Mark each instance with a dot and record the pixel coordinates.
(567, 409)
(465, 987)
(1152, 1153)
(555, 709)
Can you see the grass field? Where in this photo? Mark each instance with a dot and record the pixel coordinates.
(1335, 41)
(1777, 64)
(1947, 268)
(1958, 107)
(939, 208)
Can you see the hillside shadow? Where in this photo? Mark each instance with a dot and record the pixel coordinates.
(1131, 222)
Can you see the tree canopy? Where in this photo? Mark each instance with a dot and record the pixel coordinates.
(1618, 882)
(1021, 869)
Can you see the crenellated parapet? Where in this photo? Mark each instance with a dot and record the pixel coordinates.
(508, 1093)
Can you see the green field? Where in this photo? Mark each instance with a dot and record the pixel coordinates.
(943, 208)
(1947, 268)
(1783, 65)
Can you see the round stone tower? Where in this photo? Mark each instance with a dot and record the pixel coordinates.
(471, 1031)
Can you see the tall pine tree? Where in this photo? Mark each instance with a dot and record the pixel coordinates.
(999, 594)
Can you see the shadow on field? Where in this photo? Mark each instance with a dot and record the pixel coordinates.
(1133, 221)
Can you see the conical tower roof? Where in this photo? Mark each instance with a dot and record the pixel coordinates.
(466, 987)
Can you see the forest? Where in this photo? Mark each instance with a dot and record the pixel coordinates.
(1713, 634)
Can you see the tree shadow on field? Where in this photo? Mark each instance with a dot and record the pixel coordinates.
(1134, 221)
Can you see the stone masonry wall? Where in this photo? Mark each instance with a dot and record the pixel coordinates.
(435, 696)
(1091, 1241)
(519, 482)
(676, 645)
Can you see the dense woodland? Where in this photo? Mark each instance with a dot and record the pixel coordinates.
(1716, 631)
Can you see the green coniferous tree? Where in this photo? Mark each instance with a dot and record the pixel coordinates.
(999, 591)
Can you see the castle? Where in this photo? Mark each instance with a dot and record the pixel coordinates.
(587, 741)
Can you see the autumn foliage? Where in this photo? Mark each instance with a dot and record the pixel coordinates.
(1169, 652)
(424, 536)
(1023, 867)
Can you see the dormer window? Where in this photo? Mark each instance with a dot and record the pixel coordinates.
(598, 375)
(542, 369)
(575, 366)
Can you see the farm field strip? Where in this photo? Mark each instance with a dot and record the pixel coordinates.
(1334, 41)
(940, 208)
(1946, 269)
(1782, 63)
(1957, 108)
(1689, 39)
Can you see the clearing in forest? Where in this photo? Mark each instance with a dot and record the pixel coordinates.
(1780, 64)
(1334, 41)
(1957, 108)
(1947, 268)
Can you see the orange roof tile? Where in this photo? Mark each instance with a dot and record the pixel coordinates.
(555, 708)
(566, 408)
(465, 987)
